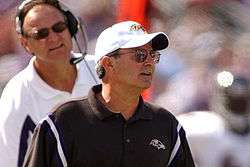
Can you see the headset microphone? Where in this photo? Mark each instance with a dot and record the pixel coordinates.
(75, 60)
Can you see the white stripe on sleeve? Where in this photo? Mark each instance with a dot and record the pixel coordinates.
(176, 147)
(59, 147)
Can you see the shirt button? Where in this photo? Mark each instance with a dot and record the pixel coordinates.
(128, 140)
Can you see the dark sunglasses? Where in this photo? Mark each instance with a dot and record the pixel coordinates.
(140, 55)
(44, 32)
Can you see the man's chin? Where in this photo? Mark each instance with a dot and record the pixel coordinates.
(146, 86)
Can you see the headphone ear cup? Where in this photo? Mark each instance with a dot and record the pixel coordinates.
(100, 71)
(72, 23)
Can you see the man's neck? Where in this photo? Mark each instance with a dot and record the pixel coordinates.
(122, 101)
(61, 77)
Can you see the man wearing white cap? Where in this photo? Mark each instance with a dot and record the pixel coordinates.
(113, 126)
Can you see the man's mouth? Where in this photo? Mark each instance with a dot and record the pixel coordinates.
(146, 73)
(51, 49)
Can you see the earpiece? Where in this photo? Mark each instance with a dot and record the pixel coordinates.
(100, 71)
(73, 23)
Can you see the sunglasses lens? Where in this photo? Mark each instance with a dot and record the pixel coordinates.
(40, 34)
(155, 56)
(141, 56)
(59, 27)
(44, 32)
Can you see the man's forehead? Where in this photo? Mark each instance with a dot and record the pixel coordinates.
(41, 15)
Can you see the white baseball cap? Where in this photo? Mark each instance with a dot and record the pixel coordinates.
(127, 34)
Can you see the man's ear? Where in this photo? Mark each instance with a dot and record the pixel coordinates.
(25, 44)
(107, 63)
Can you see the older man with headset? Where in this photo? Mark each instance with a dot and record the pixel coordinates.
(46, 29)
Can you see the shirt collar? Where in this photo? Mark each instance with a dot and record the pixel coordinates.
(36, 82)
(103, 112)
(42, 88)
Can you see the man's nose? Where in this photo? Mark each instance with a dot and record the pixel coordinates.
(53, 36)
(149, 59)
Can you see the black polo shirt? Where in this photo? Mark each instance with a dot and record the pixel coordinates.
(84, 133)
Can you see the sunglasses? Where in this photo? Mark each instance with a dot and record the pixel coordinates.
(44, 32)
(140, 55)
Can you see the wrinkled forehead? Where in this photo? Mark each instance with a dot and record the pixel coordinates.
(42, 15)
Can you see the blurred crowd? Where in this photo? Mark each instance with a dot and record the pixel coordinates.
(206, 37)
